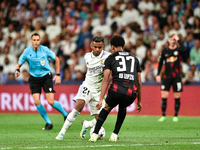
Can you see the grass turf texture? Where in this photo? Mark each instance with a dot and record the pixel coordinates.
(19, 131)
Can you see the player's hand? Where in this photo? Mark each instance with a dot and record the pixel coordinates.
(17, 73)
(158, 78)
(176, 37)
(57, 79)
(139, 107)
(99, 105)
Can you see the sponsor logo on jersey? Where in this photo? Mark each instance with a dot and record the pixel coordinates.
(97, 69)
(126, 76)
(171, 59)
(42, 62)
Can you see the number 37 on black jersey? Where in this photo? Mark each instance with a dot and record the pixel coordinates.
(124, 67)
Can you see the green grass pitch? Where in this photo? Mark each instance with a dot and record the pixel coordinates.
(19, 131)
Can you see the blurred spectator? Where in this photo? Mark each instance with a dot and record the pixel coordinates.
(11, 78)
(3, 76)
(145, 5)
(52, 16)
(53, 29)
(140, 49)
(84, 34)
(177, 30)
(47, 10)
(12, 58)
(38, 17)
(192, 75)
(68, 46)
(195, 53)
(10, 31)
(38, 29)
(149, 72)
(79, 75)
(25, 76)
(162, 17)
(73, 27)
(67, 76)
(18, 44)
(22, 15)
(104, 29)
(189, 44)
(147, 57)
(196, 27)
(129, 36)
(45, 40)
(130, 14)
(197, 10)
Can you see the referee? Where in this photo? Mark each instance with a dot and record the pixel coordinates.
(37, 57)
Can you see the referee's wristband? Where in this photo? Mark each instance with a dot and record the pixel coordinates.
(17, 70)
(58, 74)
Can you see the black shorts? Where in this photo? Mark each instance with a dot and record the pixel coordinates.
(175, 82)
(37, 82)
(115, 98)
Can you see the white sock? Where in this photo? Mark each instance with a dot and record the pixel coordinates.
(91, 123)
(70, 119)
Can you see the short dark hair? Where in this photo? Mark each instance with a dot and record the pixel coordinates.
(35, 34)
(98, 39)
(117, 41)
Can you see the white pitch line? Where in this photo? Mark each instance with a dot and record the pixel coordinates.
(95, 146)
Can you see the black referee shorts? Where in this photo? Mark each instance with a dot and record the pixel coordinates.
(115, 98)
(45, 82)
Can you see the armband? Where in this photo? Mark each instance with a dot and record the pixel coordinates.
(58, 74)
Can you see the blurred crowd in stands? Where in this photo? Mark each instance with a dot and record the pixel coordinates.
(68, 26)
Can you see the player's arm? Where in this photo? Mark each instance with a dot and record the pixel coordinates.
(158, 77)
(104, 86)
(57, 76)
(139, 92)
(17, 70)
(182, 47)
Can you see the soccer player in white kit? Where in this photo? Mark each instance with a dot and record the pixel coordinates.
(90, 90)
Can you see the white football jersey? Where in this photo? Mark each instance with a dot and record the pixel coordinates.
(94, 75)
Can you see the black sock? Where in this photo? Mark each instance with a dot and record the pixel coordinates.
(120, 119)
(164, 106)
(102, 117)
(177, 106)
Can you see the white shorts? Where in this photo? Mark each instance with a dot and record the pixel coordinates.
(90, 97)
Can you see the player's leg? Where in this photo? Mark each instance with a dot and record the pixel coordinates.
(49, 90)
(164, 95)
(94, 99)
(178, 88)
(42, 111)
(71, 118)
(165, 87)
(102, 117)
(87, 124)
(125, 102)
(55, 104)
(35, 86)
(111, 102)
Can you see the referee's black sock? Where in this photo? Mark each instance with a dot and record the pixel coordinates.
(120, 119)
(164, 106)
(177, 106)
(102, 117)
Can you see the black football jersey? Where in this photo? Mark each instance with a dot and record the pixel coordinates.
(172, 61)
(124, 67)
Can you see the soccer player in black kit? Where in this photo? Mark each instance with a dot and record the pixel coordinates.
(125, 87)
(171, 56)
